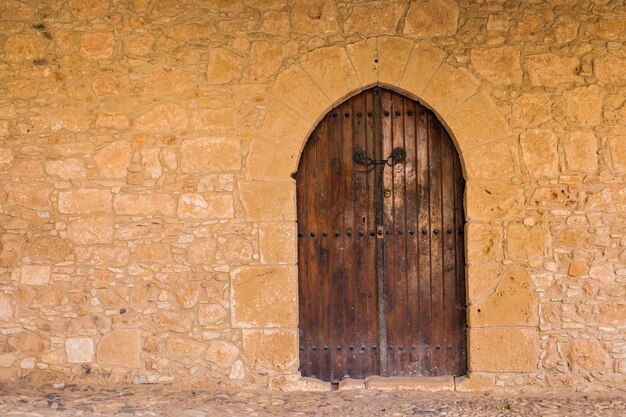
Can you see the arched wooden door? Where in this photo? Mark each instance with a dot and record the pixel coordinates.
(380, 243)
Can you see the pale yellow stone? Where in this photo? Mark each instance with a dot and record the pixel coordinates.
(202, 251)
(224, 66)
(609, 27)
(527, 242)
(139, 45)
(475, 382)
(448, 88)
(187, 294)
(212, 315)
(421, 66)
(432, 18)
(210, 154)
(581, 151)
(170, 81)
(179, 347)
(270, 161)
(102, 255)
(513, 303)
(264, 296)
(113, 159)
(393, 55)
(612, 313)
(120, 347)
(611, 198)
(503, 350)
(602, 272)
(297, 383)
(387, 12)
(24, 46)
(237, 250)
(35, 274)
(283, 126)
(112, 120)
(153, 253)
(277, 243)
(565, 28)
(551, 69)
(307, 99)
(74, 120)
(482, 280)
(492, 161)
(539, 152)
(97, 44)
(214, 120)
(24, 88)
(79, 349)
(91, 230)
(484, 243)
(6, 308)
(275, 350)
(314, 16)
(34, 195)
(88, 9)
(209, 205)
(610, 69)
(267, 57)
(6, 156)
(162, 118)
(17, 10)
(71, 169)
(268, 201)
(423, 384)
(145, 204)
(584, 105)
(499, 65)
(586, 354)
(84, 200)
(493, 200)
(617, 146)
(364, 55)
(476, 121)
(222, 353)
(332, 70)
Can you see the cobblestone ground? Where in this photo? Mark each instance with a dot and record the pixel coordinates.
(167, 401)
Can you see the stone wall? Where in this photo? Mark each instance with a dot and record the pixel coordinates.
(147, 208)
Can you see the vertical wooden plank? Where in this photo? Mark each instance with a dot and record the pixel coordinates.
(423, 221)
(436, 248)
(347, 237)
(411, 234)
(337, 276)
(450, 312)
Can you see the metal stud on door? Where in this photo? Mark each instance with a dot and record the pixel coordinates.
(381, 289)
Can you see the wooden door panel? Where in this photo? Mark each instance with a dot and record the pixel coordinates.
(422, 235)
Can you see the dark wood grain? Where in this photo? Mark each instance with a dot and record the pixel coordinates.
(424, 264)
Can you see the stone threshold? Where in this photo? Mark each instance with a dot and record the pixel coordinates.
(446, 383)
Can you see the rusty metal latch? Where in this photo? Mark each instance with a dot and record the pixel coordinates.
(398, 155)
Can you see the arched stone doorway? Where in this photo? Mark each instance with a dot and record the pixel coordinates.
(304, 92)
(381, 260)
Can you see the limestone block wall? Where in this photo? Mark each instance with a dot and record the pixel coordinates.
(147, 211)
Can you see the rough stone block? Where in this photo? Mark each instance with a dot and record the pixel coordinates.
(500, 66)
(97, 44)
(427, 384)
(332, 69)
(432, 18)
(484, 243)
(393, 54)
(268, 201)
(214, 120)
(364, 57)
(120, 347)
(271, 350)
(449, 87)
(475, 382)
(79, 350)
(581, 151)
(208, 205)
(477, 121)
(610, 69)
(264, 296)
(270, 161)
(307, 100)
(24, 46)
(113, 159)
(84, 200)
(277, 243)
(103, 256)
(524, 242)
(611, 198)
(513, 303)
(222, 353)
(67, 169)
(539, 151)
(91, 230)
(492, 161)
(295, 382)
(482, 280)
(583, 105)
(493, 200)
(145, 204)
(617, 146)
(210, 154)
(88, 9)
(283, 126)
(35, 274)
(162, 118)
(421, 66)
(34, 196)
(387, 13)
(551, 69)
(503, 350)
